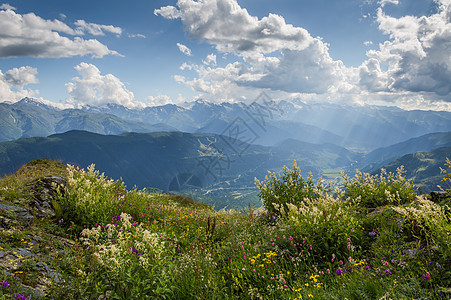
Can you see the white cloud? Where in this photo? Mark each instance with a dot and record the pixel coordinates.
(6, 6)
(210, 60)
(13, 82)
(169, 12)
(275, 54)
(418, 53)
(371, 76)
(19, 38)
(184, 49)
(230, 28)
(385, 2)
(20, 77)
(137, 35)
(91, 87)
(159, 100)
(96, 29)
(367, 43)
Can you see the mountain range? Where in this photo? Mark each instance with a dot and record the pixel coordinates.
(263, 122)
(216, 150)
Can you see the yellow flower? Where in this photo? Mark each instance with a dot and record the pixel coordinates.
(310, 295)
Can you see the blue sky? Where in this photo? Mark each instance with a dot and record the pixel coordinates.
(140, 53)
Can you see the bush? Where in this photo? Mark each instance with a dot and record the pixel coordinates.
(90, 198)
(276, 192)
(371, 191)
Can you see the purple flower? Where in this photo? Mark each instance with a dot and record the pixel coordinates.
(22, 297)
(426, 276)
(4, 284)
(372, 233)
(339, 271)
(387, 272)
(134, 251)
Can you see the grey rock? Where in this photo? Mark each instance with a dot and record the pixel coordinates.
(25, 217)
(23, 252)
(12, 208)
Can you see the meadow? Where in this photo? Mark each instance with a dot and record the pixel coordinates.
(371, 238)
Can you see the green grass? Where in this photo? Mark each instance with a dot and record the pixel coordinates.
(130, 244)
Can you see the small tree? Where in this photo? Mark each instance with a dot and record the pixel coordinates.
(276, 191)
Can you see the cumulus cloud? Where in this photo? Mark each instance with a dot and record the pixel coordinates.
(19, 32)
(13, 82)
(274, 54)
(184, 49)
(287, 60)
(418, 53)
(91, 87)
(96, 29)
(159, 100)
(20, 77)
(232, 29)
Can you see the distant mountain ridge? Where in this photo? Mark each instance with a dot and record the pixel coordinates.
(30, 118)
(361, 128)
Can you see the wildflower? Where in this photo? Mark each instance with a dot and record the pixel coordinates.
(22, 297)
(4, 284)
(372, 233)
(387, 272)
(340, 262)
(339, 271)
(426, 276)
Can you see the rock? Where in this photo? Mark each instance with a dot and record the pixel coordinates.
(14, 216)
(45, 196)
(25, 218)
(22, 252)
(12, 208)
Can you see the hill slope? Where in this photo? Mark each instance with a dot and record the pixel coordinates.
(156, 159)
(423, 167)
(379, 157)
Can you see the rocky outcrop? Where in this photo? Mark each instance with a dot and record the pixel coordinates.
(45, 202)
(29, 255)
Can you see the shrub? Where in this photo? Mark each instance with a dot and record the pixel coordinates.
(328, 224)
(276, 192)
(90, 198)
(370, 191)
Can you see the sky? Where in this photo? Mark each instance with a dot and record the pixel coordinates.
(144, 53)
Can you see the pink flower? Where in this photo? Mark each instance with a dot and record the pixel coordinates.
(340, 262)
